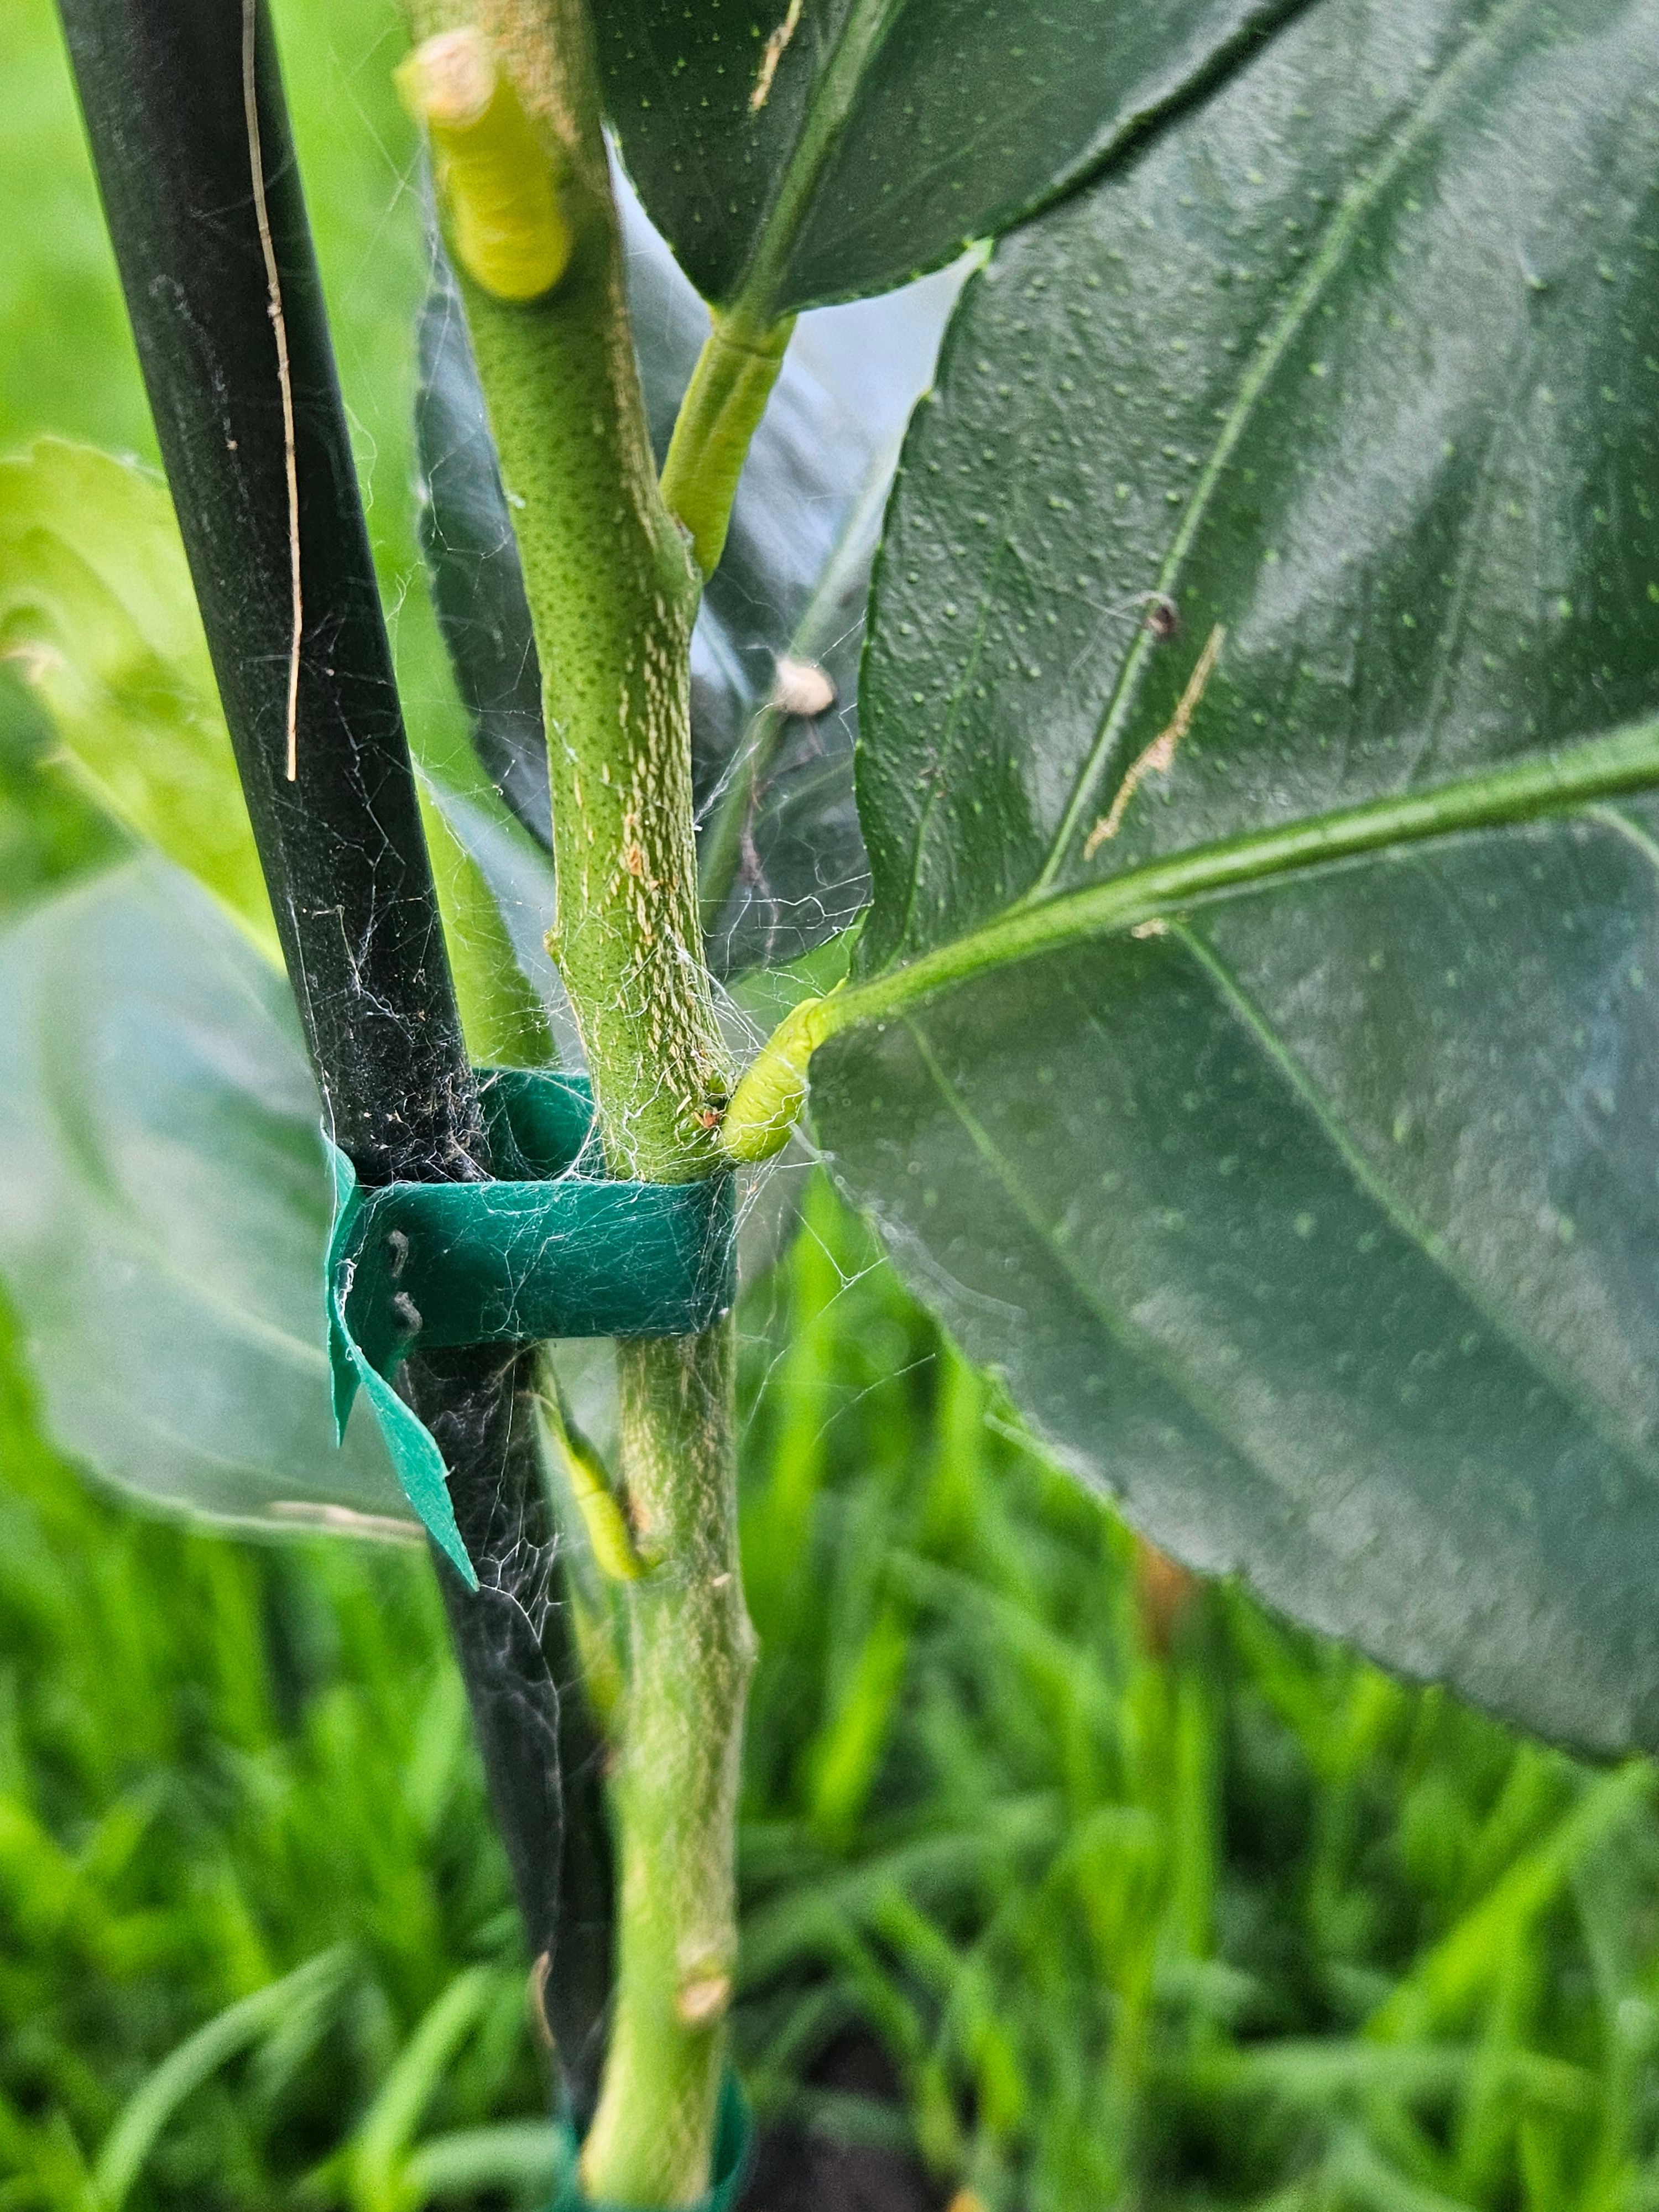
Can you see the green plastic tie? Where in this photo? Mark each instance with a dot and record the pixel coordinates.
(734, 2137)
(564, 1250)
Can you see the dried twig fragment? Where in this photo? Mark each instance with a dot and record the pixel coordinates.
(1159, 757)
(773, 55)
(284, 376)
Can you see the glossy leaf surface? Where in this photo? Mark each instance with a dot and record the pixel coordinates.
(1287, 1131)
(165, 1207)
(793, 155)
(783, 860)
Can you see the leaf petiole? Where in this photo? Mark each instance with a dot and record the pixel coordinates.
(770, 1097)
(719, 415)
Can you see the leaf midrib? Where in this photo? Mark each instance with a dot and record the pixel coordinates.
(1270, 350)
(1129, 1338)
(830, 105)
(1623, 762)
(1176, 1372)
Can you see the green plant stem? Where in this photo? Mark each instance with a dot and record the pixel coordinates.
(834, 94)
(722, 407)
(744, 350)
(691, 1650)
(611, 594)
(612, 591)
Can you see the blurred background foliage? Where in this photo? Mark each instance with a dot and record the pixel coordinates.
(1076, 1886)
(1072, 1885)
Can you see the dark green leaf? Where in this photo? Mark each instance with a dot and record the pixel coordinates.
(472, 561)
(797, 154)
(164, 1207)
(1293, 1148)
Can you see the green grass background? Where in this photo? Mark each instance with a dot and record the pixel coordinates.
(1145, 1901)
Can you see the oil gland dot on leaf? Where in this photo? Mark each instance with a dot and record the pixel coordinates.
(498, 186)
(801, 687)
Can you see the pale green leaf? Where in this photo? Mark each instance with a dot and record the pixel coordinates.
(97, 613)
(96, 610)
(164, 1210)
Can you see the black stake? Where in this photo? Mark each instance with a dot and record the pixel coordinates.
(184, 108)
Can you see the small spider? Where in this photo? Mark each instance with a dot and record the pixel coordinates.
(1154, 612)
(1163, 615)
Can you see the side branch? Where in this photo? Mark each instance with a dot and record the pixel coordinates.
(719, 415)
(612, 590)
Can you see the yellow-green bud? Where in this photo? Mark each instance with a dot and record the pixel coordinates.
(768, 1101)
(497, 183)
(609, 1536)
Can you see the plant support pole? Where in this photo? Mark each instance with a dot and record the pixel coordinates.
(189, 132)
(542, 1751)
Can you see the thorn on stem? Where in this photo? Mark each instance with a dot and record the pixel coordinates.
(284, 374)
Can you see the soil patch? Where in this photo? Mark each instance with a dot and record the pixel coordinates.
(801, 2169)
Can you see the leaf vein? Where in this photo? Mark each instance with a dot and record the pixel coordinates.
(1176, 1373)
(1357, 203)
(1434, 1247)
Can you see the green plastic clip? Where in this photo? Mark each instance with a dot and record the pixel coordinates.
(563, 1251)
(734, 2135)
